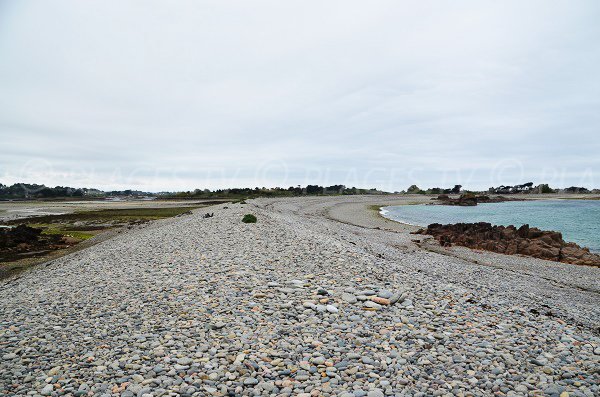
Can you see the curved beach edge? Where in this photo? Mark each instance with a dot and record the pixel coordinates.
(367, 215)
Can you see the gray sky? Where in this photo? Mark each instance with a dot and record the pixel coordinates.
(195, 94)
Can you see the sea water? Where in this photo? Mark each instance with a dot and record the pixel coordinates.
(577, 220)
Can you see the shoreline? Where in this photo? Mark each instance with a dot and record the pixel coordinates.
(380, 213)
(507, 224)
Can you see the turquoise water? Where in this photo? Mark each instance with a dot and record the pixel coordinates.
(577, 220)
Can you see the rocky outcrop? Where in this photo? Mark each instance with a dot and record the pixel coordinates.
(22, 241)
(470, 199)
(13, 237)
(529, 241)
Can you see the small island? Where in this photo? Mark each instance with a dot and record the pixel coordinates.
(470, 199)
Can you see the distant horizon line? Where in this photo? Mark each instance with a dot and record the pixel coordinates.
(104, 190)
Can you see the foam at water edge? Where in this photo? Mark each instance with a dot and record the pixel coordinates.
(383, 212)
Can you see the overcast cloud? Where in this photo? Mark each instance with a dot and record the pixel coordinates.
(205, 94)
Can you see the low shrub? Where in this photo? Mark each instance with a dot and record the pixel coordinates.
(249, 218)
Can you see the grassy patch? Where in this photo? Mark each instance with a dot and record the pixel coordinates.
(109, 216)
(50, 229)
(84, 225)
(145, 213)
(78, 235)
(249, 218)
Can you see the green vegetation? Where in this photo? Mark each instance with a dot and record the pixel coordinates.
(77, 235)
(50, 229)
(414, 189)
(109, 216)
(502, 189)
(249, 218)
(30, 191)
(575, 189)
(136, 213)
(20, 191)
(26, 190)
(247, 193)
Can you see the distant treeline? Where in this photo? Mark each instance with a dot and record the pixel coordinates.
(25, 190)
(273, 192)
(526, 188)
(414, 189)
(540, 189)
(35, 191)
(20, 191)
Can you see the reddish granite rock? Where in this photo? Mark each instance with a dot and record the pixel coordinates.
(510, 240)
(470, 199)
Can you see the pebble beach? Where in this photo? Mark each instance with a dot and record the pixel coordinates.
(320, 297)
